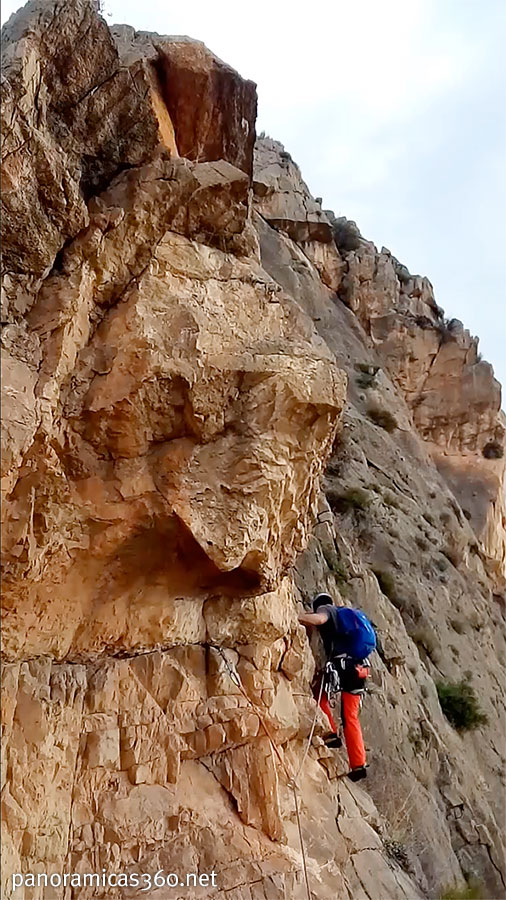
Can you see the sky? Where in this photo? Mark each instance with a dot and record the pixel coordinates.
(396, 114)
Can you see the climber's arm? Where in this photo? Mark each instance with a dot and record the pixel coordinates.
(317, 618)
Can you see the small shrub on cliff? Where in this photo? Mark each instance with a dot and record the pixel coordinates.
(365, 381)
(383, 418)
(397, 851)
(336, 566)
(424, 322)
(493, 450)
(472, 891)
(355, 498)
(367, 375)
(367, 368)
(386, 583)
(346, 234)
(460, 705)
(448, 328)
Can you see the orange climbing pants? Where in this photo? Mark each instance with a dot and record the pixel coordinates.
(350, 707)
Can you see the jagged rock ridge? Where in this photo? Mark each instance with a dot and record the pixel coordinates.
(182, 319)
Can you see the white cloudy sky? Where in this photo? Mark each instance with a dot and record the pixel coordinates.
(396, 113)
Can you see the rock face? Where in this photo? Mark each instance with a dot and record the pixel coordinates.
(392, 539)
(453, 396)
(183, 324)
(222, 124)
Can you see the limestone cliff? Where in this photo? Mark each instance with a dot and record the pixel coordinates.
(196, 362)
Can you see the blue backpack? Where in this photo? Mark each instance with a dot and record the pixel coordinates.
(355, 631)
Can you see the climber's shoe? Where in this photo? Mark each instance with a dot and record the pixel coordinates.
(332, 740)
(357, 774)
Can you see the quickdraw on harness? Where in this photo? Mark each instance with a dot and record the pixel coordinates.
(331, 680)
(342, 673)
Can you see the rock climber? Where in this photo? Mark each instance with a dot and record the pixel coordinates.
(348, 639)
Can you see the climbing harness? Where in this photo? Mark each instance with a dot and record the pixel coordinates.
(344, 673)
(331, 679)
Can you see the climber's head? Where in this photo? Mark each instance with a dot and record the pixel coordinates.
(322, 600)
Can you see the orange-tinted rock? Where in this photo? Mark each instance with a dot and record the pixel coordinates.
(220, 124)
(72, 118)
(169, 409)
(157, 382)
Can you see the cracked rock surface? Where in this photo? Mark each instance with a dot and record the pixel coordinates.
(191, 350)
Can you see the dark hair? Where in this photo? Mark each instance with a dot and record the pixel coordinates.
(322, 600)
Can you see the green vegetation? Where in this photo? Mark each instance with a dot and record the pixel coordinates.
(354, 498)
(493, 450)
(424, 322)
(382, 418)
(367, 368)
(367, 376)
(448, 328)
(365, 381)
(337, 567)
(346, 234)
(397, 851)
(460, 705)
(472, 891)
(386, 583)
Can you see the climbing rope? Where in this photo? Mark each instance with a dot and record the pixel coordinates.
(310, 738)
(291, 779)
(237, 681)
(302, 848)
